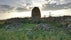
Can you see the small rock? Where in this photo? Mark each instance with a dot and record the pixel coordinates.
(69, 27)
(42, 27)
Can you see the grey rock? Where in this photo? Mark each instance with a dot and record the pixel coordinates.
(14, 25)
(69, 27)
(42, 27)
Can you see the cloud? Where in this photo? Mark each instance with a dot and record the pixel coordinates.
(28, 4)
(31, 2)
(11, 2)
(57, 7)
(21, 9)
(5, 8)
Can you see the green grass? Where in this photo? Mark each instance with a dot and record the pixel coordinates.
(40, 35)
(52, 34)
(29, 25)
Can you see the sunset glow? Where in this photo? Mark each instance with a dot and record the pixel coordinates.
(28, 14)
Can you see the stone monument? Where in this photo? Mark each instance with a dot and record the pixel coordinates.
(36, 14)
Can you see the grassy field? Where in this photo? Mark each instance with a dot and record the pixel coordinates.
(27, 32)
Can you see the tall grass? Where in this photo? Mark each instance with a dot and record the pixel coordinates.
(35, 35)
(24, 34)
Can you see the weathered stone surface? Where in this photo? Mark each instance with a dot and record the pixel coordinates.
(36, 13)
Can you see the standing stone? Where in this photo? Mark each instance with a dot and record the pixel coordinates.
(36, 13)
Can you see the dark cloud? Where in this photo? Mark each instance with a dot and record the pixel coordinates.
(56, 7)
(21, 9)
(5, 8)
(21, 5)
(11, 2)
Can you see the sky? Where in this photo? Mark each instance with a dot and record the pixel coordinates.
(15, 8)
(29, 4)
